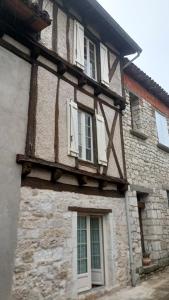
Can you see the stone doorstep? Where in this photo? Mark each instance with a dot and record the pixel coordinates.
(98, 292)
(158, 266)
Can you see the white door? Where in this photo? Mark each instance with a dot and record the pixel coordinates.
(83, 253)
(96, 237)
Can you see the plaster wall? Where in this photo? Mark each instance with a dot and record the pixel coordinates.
(14, 95)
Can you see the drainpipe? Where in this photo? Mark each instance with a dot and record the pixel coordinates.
(132, 266)
(131, 61)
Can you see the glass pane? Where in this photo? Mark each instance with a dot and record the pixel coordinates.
(92, 52)
(85, 55)
(95, 243)
(80, 132)
(88, 132)
(81, 244)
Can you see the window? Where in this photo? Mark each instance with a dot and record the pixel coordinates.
(136, 112)
(80, 134)
(85, 135)
(90, 58)
(162, 129)
(85, 55)
(89, 252)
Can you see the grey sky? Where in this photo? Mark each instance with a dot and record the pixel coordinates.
(147, 22)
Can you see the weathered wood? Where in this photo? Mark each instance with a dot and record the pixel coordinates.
(90, 210)
(26, 169)
(82, 180)
(61, 68)
(56, 174)
(113, 68)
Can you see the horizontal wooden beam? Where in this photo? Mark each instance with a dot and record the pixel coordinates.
(91, 210)
(21, 159)
(37, 183)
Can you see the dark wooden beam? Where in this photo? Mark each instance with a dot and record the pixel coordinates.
(61, 68)
(102, 184)
(35, 52)
(56, 174)
(26, 169)
(82, 81)
(36, 162)
(90, 210)
(97, 90)
(82, 180)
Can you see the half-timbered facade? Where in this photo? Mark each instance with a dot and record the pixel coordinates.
(72, 232)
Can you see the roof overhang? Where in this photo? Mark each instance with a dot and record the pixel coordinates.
(110, 31)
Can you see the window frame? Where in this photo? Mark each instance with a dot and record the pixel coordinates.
(159, 137)
(95, 42)
(90, 40)
(84, 156)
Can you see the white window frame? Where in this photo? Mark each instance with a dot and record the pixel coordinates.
(87, 72)
(86, 280)
(162, 129)
(83, 135)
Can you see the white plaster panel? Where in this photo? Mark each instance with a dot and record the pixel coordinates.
(46, 34)
(71, 78)
(47, 63)
(16, 44)
(85, 99)
(61, 37)
(118, 144)
(66, 92)
(45, 115)
(71, 40)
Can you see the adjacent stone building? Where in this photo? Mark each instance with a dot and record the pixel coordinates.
(146, 139)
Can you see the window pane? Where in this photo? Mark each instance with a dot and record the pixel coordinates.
(80, 132)
(95, 243)
(92, 60)
(85, 55)
(88, 130)
(81, 244)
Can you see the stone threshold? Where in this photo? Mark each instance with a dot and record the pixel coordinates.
(154, 267)
(98, 292)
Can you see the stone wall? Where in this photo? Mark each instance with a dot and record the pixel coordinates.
(147, 172)
(44, 267)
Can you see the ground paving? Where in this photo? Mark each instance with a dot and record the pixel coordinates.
(155, 288)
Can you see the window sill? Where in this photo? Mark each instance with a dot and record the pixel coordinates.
(163, 147)
(87, 163)
(139, 134)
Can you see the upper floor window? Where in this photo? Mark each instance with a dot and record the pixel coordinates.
(85, 135)
(85, 55)
(162, 129)
(136, 112)
(80, 135)
(90, 68)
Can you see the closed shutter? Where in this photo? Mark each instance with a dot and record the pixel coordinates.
(162, 129)
(72, 128)
(101, 140)
(104, 65)
(78, 45)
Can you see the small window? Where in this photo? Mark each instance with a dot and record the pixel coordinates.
(90, 269)
(162, 129)
(85, 132)
(90, 68)
(136, 112)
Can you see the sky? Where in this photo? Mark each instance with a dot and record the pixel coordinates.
(147, 22)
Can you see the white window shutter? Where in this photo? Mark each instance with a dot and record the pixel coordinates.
(101, 140)
(72, 128)
(162, 129)
(104, 65)
(78, 45)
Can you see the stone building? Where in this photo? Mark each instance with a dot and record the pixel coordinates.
(146, 139)
(62, 99)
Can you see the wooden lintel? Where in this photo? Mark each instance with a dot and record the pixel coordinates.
(61, 68)
(122, 187)
(97, 91)
(82, 81)
(26, 169)
(56, 174)
(89, 210)
(82, 180)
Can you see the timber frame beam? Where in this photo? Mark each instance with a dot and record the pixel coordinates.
(57, 170)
